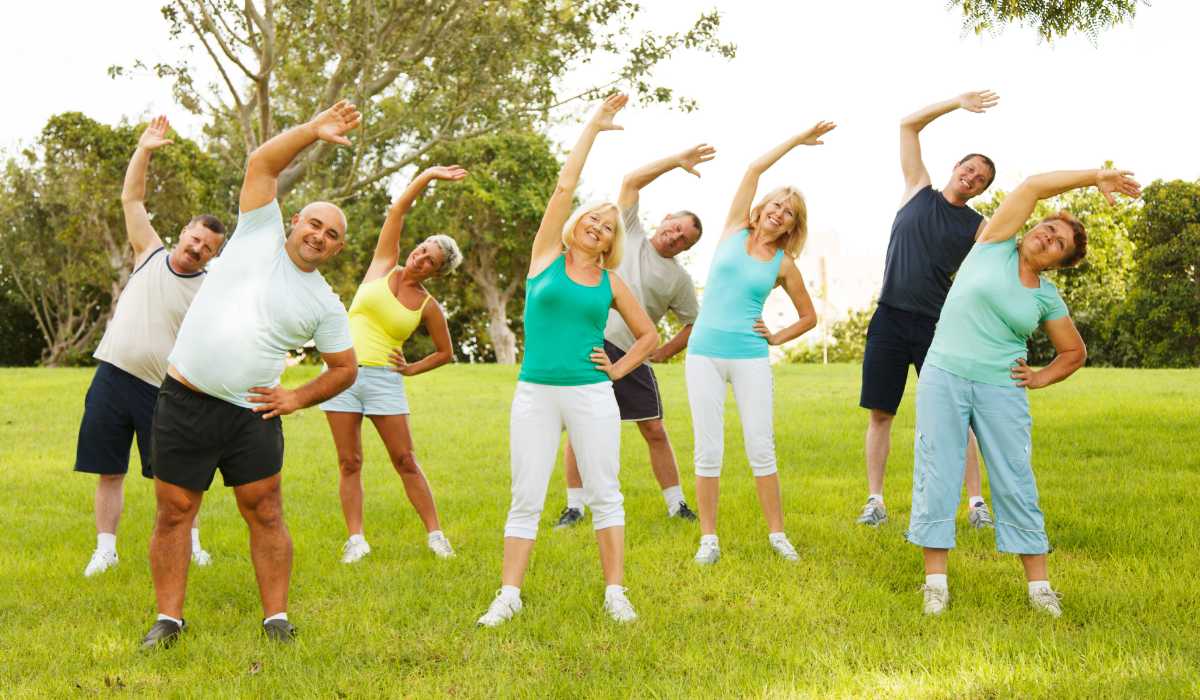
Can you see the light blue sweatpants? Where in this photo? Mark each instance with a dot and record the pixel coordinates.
(946, 405)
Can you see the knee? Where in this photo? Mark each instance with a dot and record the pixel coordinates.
(174, 513)
(764, 469)
(406, 462)
(881, 419)
(708, 471)
(350, 463)
(266, 512)
(654, 432)
(111, 480)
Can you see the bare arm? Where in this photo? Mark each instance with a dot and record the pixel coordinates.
(793, 284)
(916, 176)
(548, 241)
(269, 160)
(341, 370)
(743, 199)
(1069, 355)
(637, 179)
(672, 347)
(639, 324)
(1014, 211)
(387, 248)
(435, 322)
(142, 236)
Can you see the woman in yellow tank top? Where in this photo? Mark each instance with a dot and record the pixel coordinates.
(388, 306)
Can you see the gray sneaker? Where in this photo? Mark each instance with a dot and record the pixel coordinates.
(873, 514)
(980, 517)
(568, 517)
(1047, 601)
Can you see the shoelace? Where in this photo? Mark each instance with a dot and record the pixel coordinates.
(784, 546)
(869, 509)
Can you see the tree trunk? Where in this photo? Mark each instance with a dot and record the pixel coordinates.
(504, 341)
(480, 265)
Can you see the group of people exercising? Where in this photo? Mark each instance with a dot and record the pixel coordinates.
(191, 360)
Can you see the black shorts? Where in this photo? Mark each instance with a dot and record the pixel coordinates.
(118, 407)
(895, 340)
(195, 434)
(636, 392)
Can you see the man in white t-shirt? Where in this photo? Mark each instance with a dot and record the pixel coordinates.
(220, 404)
(132, 356)
(660, 284)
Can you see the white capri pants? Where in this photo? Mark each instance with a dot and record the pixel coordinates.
(754, 391)
(593, 423)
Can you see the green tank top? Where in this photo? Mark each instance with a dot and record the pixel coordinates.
(564, 320)
(379, 323)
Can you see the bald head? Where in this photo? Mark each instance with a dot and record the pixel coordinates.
(327, 212)
(318, 234)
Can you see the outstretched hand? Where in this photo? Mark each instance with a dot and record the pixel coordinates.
(812, 137)
(446, 172)
(702, 153)
(332, 124)
(603, 117)
(978, 101)
(155, 135)
(1111, 180)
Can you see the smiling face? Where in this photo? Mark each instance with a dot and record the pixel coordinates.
(595, 230)
(969, 178)
(1049, 245)
(778, 217)
(197, 245)
(675, 234)
(318, 234)
(425, 261)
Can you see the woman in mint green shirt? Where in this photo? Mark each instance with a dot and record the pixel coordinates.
(976, 374)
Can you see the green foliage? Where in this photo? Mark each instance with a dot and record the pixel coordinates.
(848, 336)
(1051, 18)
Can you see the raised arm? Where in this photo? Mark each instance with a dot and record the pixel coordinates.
(739, 210)
(915, 174)
(793, 284)
(142, 236)
(387, 248)
(1069, 355)
(269, 160)
(640, 326)
(1014, 211)
(637, 179)
(549, 235)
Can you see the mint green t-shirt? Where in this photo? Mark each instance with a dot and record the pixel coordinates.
(989, 316)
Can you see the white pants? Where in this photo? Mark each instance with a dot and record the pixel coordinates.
(754, 391)
(593, 423)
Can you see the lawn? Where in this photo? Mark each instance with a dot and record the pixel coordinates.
(1117, 454)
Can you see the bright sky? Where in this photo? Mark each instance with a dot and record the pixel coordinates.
(861, 64)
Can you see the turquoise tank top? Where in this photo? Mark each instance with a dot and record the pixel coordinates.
(737, 288)
(564, 320)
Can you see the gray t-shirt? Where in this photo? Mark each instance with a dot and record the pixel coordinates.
(147, 318)
(657, 283)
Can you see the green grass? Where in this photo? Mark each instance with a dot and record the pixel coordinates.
(1117, 455)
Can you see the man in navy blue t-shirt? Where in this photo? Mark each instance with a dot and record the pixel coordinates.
(932, 233)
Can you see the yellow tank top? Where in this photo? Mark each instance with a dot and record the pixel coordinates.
(379, 323)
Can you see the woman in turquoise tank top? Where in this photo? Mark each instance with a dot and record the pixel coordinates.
(976, 376)
(729, 342)
(566, 377)
(388, 306)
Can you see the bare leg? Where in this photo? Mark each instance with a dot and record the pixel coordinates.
(261, 505)
(347, 439)
(110, 499)
(574, 481)
(612, 554)
(1035, 567)
(662, 457)
(879, 444)
(771, 500)
(935, 560)
(517, 551)
(397, 438)
(973, 478)
(170, 545)
(708, 490)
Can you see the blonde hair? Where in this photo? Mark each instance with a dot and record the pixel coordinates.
(792, 242)
(616, 249)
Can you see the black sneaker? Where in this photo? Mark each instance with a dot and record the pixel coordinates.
(163, 634)
(568, 517)
(684, 513)
(278, 630)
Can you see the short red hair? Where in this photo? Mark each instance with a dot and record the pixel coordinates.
(1079, 252)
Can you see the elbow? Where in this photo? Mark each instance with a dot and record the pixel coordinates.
(566, 186)
(1081, 358)
(442, 357)
(349, 375)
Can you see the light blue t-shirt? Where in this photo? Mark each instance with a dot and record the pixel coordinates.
(989, 315)
(737, 288)
(254, 307)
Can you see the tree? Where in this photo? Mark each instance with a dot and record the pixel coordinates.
(66, 253)
(1051, 18)
(424, 72)
(849, 337)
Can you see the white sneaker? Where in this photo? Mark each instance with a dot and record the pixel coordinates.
(785, 549)
(708, 553)
(501, 610)
(618, 606)
(201, 557)
(102, 560)
(936, 599)
(354, 550)
(1047, 601)
(441, 546)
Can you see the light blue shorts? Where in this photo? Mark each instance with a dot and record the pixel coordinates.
(378, 391)
(946, 405)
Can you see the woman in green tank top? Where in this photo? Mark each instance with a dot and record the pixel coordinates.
(388, 306)
(566, 377)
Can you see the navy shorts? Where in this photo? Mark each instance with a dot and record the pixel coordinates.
(118, 407)
(895, 339)
(636, 392)
(196, 434)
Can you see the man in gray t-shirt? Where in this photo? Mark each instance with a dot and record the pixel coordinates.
(660, 284)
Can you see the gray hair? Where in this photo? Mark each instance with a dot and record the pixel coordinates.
(452, 256)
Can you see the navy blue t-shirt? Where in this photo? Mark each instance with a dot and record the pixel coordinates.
(930, 239)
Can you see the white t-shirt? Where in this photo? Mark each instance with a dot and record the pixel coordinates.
(144, 325)
(657, 283)
(255, 306)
